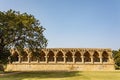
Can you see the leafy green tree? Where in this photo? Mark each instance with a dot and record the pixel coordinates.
(116, 56)
(20, 30)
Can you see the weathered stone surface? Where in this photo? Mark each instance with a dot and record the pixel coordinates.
(60, 67)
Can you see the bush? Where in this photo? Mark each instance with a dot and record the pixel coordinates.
(1, 68)
(4, 57)
(117, 67)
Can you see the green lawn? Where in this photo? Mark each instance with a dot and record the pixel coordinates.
(103, 75)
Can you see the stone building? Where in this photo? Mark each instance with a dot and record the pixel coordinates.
(63, 59)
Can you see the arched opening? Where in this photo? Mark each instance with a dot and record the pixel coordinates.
(59, 56)
(34, 58)
(69, 57)
(24, 57)
(96, 57)
(42, 56)
(87, 57)
(78, 57)
(50, 56)
(14, 57)
(105, 56)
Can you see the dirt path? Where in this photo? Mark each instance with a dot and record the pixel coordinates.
(8, 73)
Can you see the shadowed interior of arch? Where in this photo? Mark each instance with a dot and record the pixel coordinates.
(105, 56)
(24, 57)
(15, 57)
(69, 57)
(59, 56)
(50, 56)
(87, 57)
(78, 57)
(42, 56)
(96, 57)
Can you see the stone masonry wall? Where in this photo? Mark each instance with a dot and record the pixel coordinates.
(60, 67)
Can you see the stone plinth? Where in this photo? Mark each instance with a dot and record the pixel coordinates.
(59, 67)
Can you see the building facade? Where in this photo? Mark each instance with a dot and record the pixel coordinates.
(70, 59)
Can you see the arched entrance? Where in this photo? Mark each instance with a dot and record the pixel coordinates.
(14, 57)
(87, 57)
(59, 56)
(69, 57)
(42, 56)
(24, 57)
(96, 57)
(105, 56)
(78, 57)
(50, 56)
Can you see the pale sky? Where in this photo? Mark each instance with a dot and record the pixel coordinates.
(74, 23)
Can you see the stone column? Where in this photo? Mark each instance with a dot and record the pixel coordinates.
(46, 56)
(100, 56)
(46, 59)
(19, 58)
(82, 59)
(100, 59)
(55, 59)
(92, 59)
(38, 59)
(9, 58)
(29, 58)
(73, 59)
(73, 53)
(64, 58)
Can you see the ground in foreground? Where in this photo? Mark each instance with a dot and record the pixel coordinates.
(85, 75)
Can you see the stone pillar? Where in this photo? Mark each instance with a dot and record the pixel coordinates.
(64, 58)
(73, 53)
(73, 59)
(100, 59)
(82, 59)
(29, 58)
(38, 59)
(46, 59)
(19, 58)
(55, 59)
(92, 59)
(9, 58)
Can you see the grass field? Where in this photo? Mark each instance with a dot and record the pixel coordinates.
(103, 75)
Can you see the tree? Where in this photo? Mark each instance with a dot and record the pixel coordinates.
(20, 30)
(116, 56)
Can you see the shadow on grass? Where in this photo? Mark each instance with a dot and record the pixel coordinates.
(40, 75)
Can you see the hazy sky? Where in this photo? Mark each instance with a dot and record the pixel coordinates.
(74, 23)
